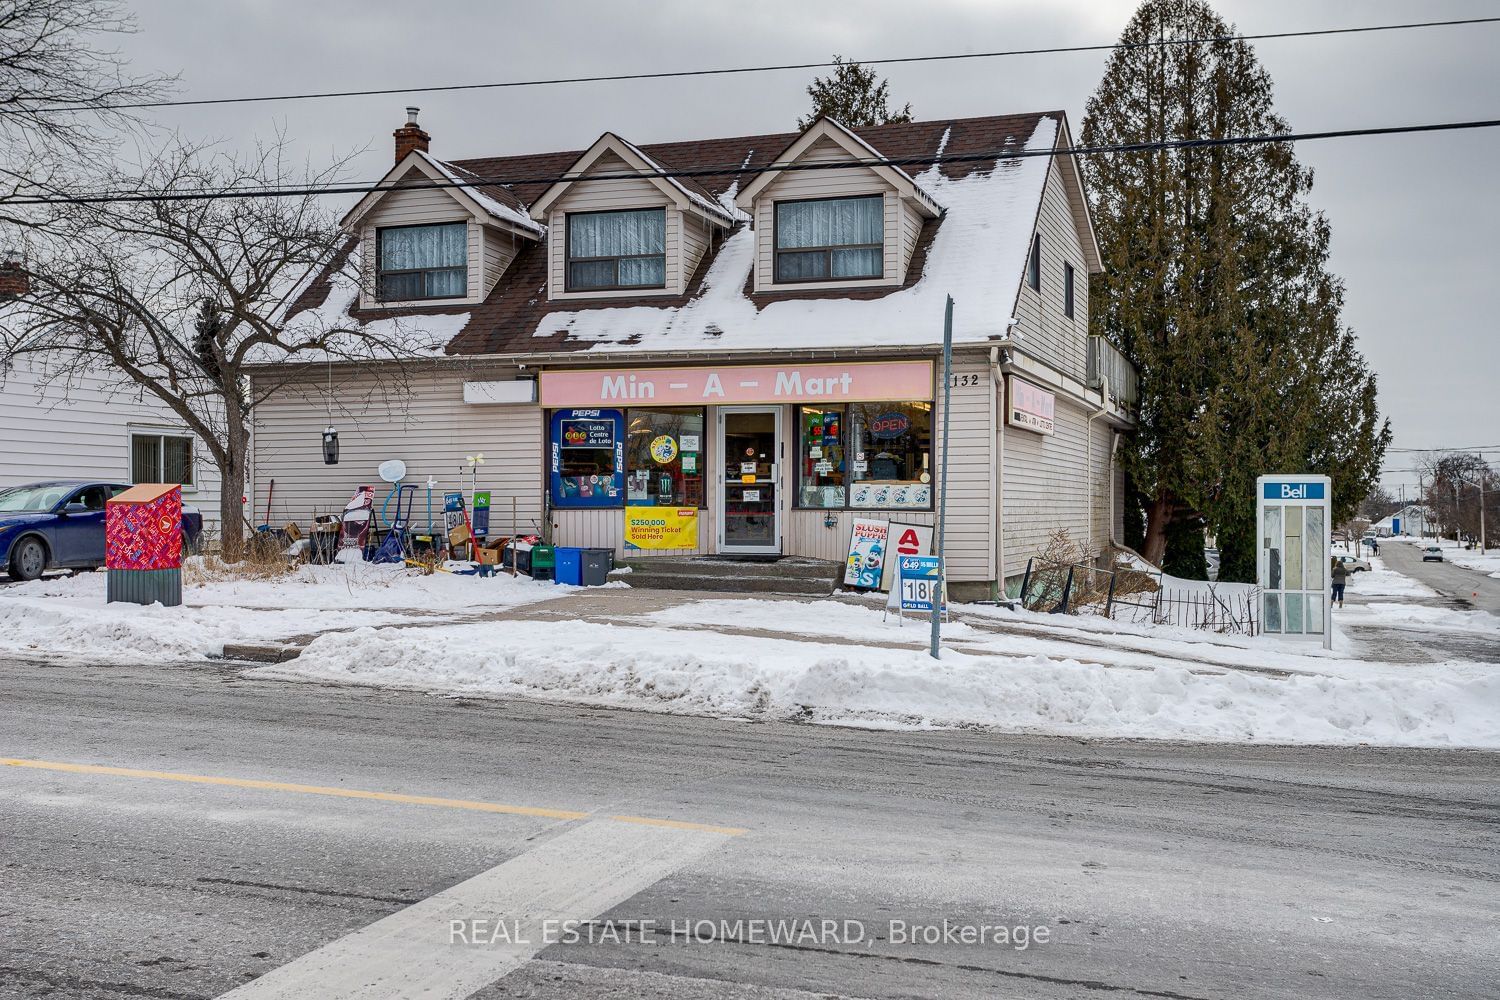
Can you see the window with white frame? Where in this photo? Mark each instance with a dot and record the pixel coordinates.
(617, 250)
(1034, 263)
(1068, 290)
(423, 262)
(830, 239)
(161, 458)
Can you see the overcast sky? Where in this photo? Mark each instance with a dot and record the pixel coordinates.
(1414, 218)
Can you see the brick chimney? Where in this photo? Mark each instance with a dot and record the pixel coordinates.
(410, 136)
(13, 280)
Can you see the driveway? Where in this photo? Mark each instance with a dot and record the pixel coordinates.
(1475, 588)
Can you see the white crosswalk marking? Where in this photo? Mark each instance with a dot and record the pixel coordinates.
(574, 876)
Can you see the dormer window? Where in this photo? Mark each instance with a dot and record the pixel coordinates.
(830, 239)
(617, 250)
(423, 262)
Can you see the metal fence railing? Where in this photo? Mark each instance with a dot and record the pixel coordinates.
(1106, 362)
(1140, 597)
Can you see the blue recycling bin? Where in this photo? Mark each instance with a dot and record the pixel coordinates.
(583, 567)
(569, 567)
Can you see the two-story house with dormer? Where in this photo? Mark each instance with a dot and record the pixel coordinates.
(731, 346)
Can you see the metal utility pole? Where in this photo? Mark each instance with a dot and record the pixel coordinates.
(942, 527)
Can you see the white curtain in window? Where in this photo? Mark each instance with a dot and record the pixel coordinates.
(414, 248)
(829, 223)
(618, 234)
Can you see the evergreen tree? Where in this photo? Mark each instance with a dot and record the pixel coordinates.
(852, 96)
(1216, 286)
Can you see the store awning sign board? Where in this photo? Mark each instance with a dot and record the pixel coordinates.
(1031, 408)
(819, 382)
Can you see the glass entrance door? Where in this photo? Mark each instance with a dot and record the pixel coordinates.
(750, 446)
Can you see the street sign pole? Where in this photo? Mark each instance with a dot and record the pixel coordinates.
(943, 471)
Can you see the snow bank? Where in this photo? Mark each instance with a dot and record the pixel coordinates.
(68, 616)
(119, 631)
(680, 671)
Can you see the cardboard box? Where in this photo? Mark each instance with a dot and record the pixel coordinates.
(292, 532)
(488, 555)
(459, 535)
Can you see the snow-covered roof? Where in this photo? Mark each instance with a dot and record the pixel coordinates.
(463, 185)
(652, 170)
(831, 128)
(975, 251)
(516, 215)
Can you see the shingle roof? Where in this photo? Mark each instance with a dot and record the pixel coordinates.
(513, 319)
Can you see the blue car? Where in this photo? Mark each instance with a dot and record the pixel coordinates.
(60, 525)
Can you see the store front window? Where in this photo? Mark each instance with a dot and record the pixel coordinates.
(868, 456)
(664, 457)
(587, 459)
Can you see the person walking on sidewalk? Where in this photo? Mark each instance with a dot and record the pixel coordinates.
(1340, 577)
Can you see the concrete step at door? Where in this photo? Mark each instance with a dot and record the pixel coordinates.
(725, 584)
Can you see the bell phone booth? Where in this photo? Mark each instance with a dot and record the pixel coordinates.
(1292, 555)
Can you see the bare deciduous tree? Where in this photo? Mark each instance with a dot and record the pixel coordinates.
(64, 97)
(180, 295)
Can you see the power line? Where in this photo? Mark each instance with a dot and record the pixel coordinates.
(770, 68)
(282, 191)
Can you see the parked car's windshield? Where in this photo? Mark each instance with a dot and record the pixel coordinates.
(32, 499)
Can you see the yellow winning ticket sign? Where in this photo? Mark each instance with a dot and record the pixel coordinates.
(661, 527)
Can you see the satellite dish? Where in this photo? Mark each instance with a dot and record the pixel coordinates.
(393, 471)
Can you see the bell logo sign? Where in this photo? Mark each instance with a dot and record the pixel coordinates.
(1290, 492)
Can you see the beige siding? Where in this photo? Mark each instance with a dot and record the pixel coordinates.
(1099, 479)
(696, 234)
(491, 248)
(911, 230)
(1046, 487)
(432, 430)
(605, 196)
(971, 477)
(1045, 332)
(833, 183)
(500, 248)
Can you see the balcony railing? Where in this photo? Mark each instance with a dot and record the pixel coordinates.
(1106, 362)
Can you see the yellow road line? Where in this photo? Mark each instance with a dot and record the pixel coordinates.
(677, 824)
(351, 793)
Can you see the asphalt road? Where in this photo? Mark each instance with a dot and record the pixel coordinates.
(1158, 870)
(1476, 589)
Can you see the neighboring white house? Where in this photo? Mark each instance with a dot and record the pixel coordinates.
(94, 431)
(1413, 520)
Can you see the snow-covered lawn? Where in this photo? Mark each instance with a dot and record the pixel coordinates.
(990, 684)
(68, 616)
(825, 661)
